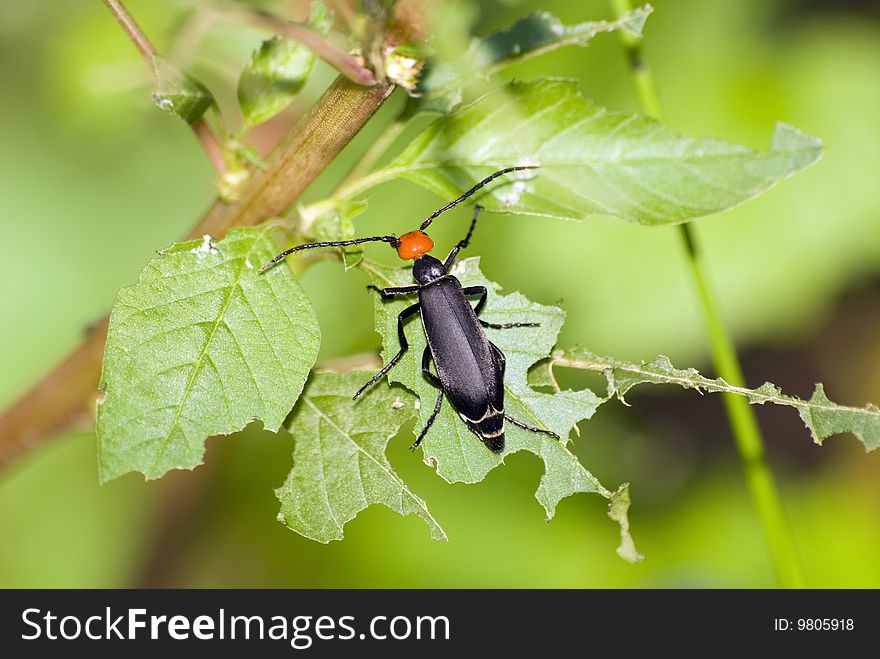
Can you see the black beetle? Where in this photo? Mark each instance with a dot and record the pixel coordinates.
(470, 368)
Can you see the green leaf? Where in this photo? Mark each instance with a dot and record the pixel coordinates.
(441, 86)
(277, 71)
(618, 510)
(592, 160)
(339, 463)
(201, 345)
(458, 454)
(822, 417)
(332, 220)
(179, 93)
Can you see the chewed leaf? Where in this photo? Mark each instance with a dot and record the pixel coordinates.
(339, 463)
(201, 345)
(277, 71)
(592, 160)
(458, 454)
(822, 417)
(618, 510)
(440, 88)
(825, 419)
(179, 93)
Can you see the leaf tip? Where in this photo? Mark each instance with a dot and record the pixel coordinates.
(633, 23)
(180, 93)
(788, 138)
(618, 510)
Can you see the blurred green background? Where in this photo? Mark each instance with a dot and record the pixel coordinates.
(94, 179)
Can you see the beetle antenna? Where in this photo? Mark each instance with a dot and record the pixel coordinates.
(465, 241)
(329, 243)
(456, 202)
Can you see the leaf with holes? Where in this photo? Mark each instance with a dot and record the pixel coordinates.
(592, 160)
(441, 86)
(201, 345)
(458, 454)
(822, 417)
(339, 463)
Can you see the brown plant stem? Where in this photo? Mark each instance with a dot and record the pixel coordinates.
(307, 149)
(210, 143)
(181, 504)
(134, 32)
(67, 393)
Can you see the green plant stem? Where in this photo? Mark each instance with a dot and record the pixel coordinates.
(373, 153)
(743, 423)
(640, 72)
(746, 432)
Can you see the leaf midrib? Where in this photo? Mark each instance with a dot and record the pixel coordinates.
(200, 360)
(392, 172)
(702, 382)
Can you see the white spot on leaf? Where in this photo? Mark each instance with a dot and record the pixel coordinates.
(207, 247)
(514, 193)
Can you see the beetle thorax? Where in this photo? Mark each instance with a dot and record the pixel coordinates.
(426, 269)
(414, 244)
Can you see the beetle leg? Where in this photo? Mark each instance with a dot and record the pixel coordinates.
(524, 426)
(402, 316)
(484, 294)
(430, 422)
(433, 379)
(502, 362)
(477, 290)
(388, 293)
(426, 368)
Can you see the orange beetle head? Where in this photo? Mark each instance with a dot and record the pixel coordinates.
(414, 244)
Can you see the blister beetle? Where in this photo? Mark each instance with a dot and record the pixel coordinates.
(470, 368)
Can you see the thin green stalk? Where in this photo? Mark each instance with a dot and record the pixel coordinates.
(747, 435)
(374, 152)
